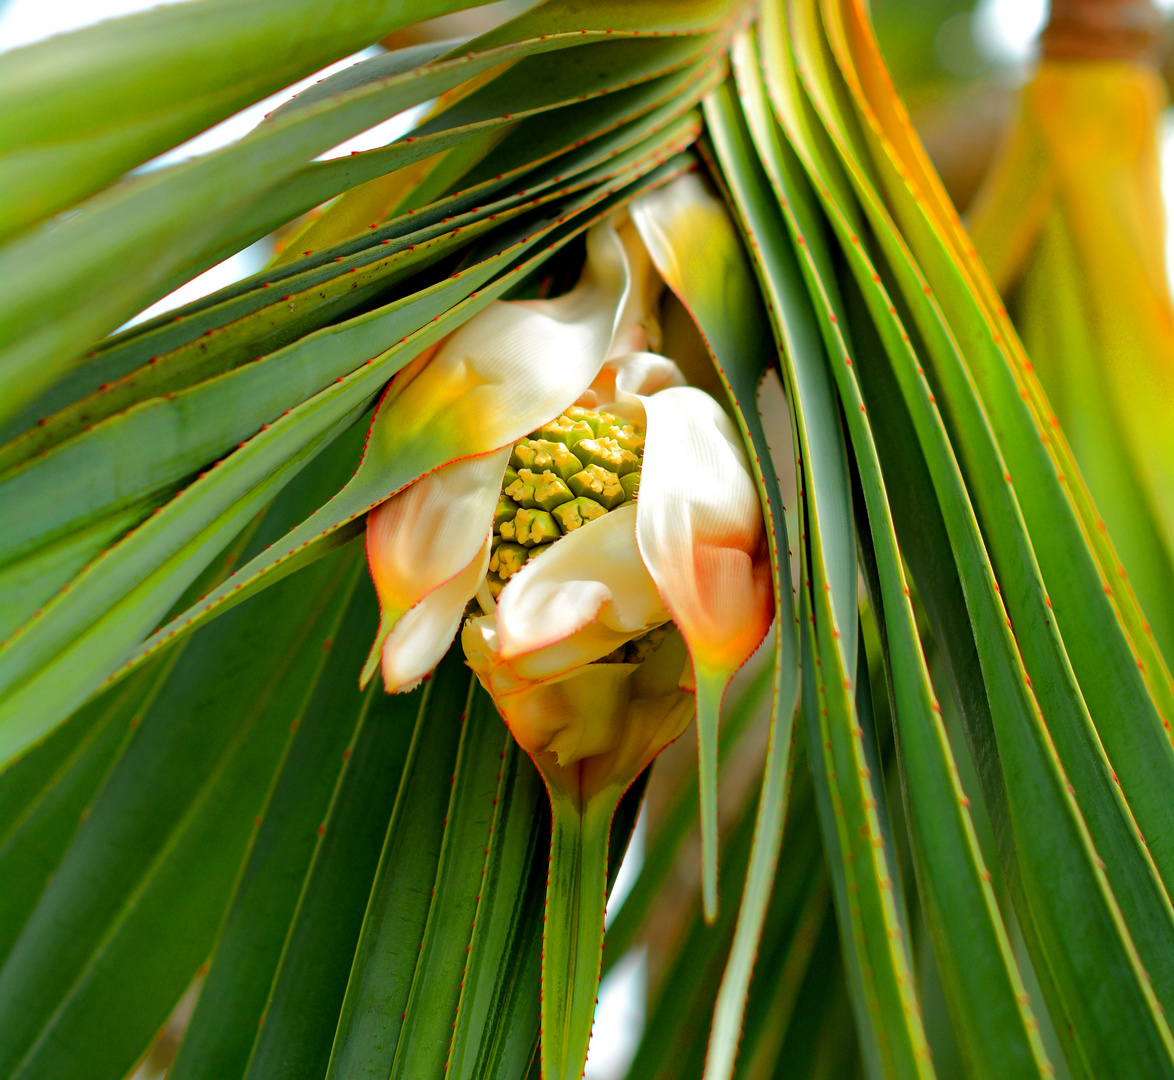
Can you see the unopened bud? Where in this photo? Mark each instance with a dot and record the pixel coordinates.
(522, 489)
(544, 492)
(579, 415)
(550, 491)
(598, 421)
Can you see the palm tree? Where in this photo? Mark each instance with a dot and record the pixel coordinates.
(957, 852)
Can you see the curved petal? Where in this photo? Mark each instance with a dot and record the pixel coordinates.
(700, 531)
(421, 541)
(422, 636)
(660, 707)
(699, 526)
(639, 327)
(615, 718)
(580, 600)
(572, 715)
(684, 216)
(688, 233)
(623, 379)
(507, 371)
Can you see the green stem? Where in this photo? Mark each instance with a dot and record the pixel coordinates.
(710, 688)
(572, 951)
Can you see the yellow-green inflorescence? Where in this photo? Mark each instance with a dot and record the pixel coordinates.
(569, 472)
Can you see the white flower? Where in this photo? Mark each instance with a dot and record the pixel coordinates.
(604, 624)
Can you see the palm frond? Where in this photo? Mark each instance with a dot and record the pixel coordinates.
(955, 857)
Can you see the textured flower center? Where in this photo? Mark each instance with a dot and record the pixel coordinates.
(565, 475)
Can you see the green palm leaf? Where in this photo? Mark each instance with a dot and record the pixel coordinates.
(196, 797)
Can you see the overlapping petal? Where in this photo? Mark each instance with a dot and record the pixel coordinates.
(583, 598)
(592, 728)
(685, 228)
(700, 532)
(449, 418)
(631, 375)
(573, 715)
(659, 708)
(421, 637)
(427, 549)
(700, 527)
(505, 372)
(639, 326)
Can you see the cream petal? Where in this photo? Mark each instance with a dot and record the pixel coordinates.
(422, 636)
(585, 596)
(643, 373)
(700, 532)
(507, 371)
(574, 715)
(683, 208)
(424, 538)
(614, 718)
(704, 543)
(658, 711)
(624, 379)
(639, 327)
